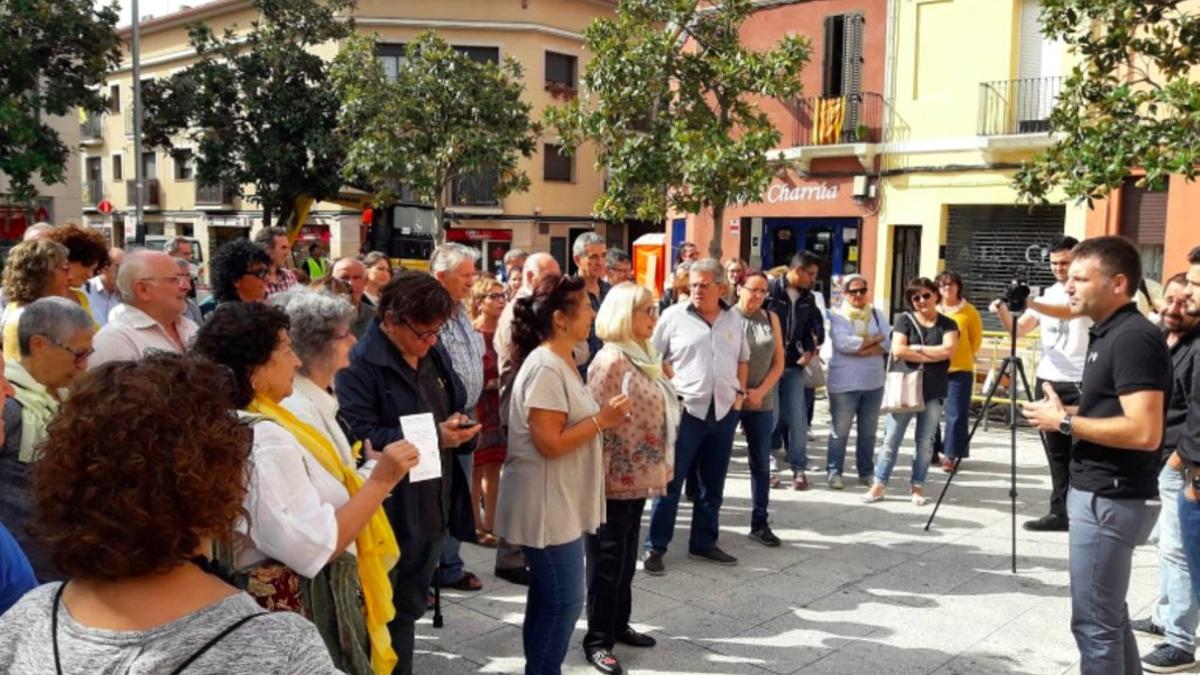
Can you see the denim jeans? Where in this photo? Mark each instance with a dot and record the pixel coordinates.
(757, 425)
(553, 605)
(893, 436)
(1103, 534)
(845, 407)
(1176, 609)
(1189, 527)
(708, 443)
(793, 411)
(958, 415)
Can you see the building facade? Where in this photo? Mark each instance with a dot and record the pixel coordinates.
(58, 203)
(545, 36)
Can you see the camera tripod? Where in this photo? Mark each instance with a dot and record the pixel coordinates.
(1015, 368)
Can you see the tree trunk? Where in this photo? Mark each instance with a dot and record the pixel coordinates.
(718, 231)
(439, 212)
(266, 214)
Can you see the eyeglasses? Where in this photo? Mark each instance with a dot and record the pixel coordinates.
(922, 297)
(421, 335)
(857, 291)
(80, 357)
(178, 278)
(260, 272)
(496, 296)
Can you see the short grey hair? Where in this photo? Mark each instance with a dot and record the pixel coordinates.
(513, 255)
(585, 240)
(448, 256)
(132, 269)
(36, 230)
(373, 257)
(54, 318)
(616, 256)
(710, 266)
(174, 243)
(316, 319)
(265, 237)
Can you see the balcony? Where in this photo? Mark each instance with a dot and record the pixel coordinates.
(215, 197)
(91, 129)
(151, 195)
(475, 190)
(836, 126)
(1015, 114)
(93, 194)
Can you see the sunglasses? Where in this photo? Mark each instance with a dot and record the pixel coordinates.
(857, 291)
(921, 297)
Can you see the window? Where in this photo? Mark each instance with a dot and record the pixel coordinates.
(390, 55)
(114, 98)
(843, 55)
(480, 54)
(149, 166)
(185, 164)
(560, 70)
(556, 166)
(118, 171)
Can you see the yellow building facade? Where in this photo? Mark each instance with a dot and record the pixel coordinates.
(546, 36)
(970, 89)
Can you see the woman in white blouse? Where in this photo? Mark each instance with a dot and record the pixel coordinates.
(315, 537)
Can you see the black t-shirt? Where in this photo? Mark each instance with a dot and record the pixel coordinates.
(1126, 354)
(936, 380)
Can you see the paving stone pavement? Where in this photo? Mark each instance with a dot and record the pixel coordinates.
(854, 589)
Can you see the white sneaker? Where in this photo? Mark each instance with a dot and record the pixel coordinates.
(835, 482)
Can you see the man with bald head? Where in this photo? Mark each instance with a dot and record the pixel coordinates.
(155, 292)
(352, 272)
(39, 230)
(101, 289)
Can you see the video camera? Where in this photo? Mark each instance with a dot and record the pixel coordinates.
(1016, 295)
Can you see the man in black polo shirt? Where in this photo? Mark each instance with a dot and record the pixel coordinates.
(1118, 432)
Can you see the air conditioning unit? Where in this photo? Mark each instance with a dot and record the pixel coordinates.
(862, 187)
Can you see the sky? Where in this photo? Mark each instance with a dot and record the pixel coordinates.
(150, 7)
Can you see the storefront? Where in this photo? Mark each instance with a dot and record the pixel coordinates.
(491, 244)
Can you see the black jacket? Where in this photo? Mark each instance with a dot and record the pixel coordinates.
(801, 321)
(373, 392)
(1185, 361)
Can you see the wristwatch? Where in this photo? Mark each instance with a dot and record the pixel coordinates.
(1064, 427)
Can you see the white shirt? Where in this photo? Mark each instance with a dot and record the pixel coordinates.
(292, 505)
(317, 408)
(130, 333)
(102, 301)
(1064, 343)
(705, 358)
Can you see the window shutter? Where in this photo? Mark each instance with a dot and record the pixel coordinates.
(830, 58)
(852, 61)
(1143, 214)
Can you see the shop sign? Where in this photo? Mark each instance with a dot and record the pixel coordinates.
(459, 234)
(822, 192)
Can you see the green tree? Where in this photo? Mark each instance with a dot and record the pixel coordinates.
(443, 116)
(54, 55)
(1131, 102)
(670, 99)
(259, 106)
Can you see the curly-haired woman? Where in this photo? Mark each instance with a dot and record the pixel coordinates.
(87, 251)
(32, 270)
(134, 528)
(316, 537)
(239, 273)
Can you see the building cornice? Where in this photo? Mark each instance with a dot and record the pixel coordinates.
(468, 24)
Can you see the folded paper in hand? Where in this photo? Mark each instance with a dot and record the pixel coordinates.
(422, 431)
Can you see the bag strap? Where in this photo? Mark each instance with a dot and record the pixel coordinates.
(920, 336)
(220, 636)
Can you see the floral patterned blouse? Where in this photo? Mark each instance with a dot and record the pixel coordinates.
(635, 453)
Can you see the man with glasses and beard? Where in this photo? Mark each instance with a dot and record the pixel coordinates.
(1064, 340)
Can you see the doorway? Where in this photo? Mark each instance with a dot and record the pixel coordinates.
(833, 240)
(906, 263)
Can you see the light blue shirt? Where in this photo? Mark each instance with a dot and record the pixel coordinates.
(848, 371)
(101, 300)
(465, 346)
(705, 358)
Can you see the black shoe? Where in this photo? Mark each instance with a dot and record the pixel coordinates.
(603, 661)
(633, 638)
(1168, 659)
(1147, 627)
(1047, 523)
(714, 555)
(653, 563)
(516, 575)
(763, 535)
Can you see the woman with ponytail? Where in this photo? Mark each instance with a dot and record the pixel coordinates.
(552, 486)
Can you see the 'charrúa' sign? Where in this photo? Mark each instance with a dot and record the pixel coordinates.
(801, 193)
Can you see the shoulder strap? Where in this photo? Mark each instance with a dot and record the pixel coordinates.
(220, 636)
(54, 626)
(916, 326)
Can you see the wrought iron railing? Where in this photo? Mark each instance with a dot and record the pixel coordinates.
(476, 189)
(1017, 106)
(150, 192)
(214, 195)
(831, 120)
(92, 127)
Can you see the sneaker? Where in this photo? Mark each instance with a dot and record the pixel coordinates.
(1147, 626)
(714, 555)
(1168, 659)
(835, 482)
(1047, 523)
(763, 535)
(653, 563)
(866, 481)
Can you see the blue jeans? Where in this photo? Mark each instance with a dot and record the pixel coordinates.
(845, 407)
(893, 435)
(553, 605)
(1189, 526)
(1176, 609)
(707, 443)
(793, 411)
(757, 425)
(450, 567)
(958, 415)
(1103, 534)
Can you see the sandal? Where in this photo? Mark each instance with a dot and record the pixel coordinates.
(468, 582)
(486, 539)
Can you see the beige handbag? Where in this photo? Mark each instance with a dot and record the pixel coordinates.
(904, 392)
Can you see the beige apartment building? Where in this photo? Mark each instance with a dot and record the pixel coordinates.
(546, 36)
(58, 203)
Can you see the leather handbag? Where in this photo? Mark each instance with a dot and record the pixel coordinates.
(904, 392)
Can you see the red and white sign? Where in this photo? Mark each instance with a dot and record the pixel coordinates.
(104, 207)
(459, 234)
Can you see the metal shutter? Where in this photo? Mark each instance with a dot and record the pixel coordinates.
(852, 60)
(1143, 214)
(990, 245)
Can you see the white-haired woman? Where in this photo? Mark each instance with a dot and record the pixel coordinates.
(638, 463)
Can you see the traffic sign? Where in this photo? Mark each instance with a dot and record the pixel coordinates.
(41, 215)
(104, 207)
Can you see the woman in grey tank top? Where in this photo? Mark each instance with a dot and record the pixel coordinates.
(765, 339)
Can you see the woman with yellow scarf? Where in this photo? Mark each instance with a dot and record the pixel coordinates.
(315, 540)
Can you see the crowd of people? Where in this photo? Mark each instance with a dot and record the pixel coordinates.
(302, 456)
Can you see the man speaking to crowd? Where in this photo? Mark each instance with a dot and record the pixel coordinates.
(1117, 432)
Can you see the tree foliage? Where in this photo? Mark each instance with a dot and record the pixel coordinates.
(1133, 100)
(669, 98)
(443, 116)
(54, 55)
(259, 105)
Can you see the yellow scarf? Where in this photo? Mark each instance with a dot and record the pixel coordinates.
(859, 318)
(377, 548)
